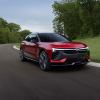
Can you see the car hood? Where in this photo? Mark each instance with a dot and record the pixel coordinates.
(67, 45)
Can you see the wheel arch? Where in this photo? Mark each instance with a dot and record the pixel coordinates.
(41, 49)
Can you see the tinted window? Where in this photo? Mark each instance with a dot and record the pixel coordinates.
(28, 39)
(31, 37)
(52, 37)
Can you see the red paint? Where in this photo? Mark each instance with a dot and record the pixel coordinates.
(33, 49)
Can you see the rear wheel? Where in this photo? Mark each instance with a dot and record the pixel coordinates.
(44, 61)
(22, 57)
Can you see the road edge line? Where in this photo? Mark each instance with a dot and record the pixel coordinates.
(93, 64)
(16, 48)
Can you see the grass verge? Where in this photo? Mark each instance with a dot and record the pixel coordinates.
(94, 45)
(17, 45)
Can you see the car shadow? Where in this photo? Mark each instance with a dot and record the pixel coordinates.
(68, 69)
(61, 69)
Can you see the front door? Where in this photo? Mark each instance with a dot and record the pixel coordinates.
(33, 46)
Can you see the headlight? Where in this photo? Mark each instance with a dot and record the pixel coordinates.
(53, 49)
(87, 48)
(57, 54)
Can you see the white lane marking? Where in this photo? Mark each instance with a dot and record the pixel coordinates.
(16, 47)
(94, 64)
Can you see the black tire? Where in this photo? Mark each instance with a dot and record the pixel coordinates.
(44, 61)
(83, 65)
(22, 57)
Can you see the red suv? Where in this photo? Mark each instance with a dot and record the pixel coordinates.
(51, 49)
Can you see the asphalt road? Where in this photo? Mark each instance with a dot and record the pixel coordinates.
(25, 81)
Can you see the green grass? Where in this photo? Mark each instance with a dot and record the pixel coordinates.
(17, 45)
(94, 45)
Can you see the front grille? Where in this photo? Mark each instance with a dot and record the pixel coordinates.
(74, 51)
(74, 55)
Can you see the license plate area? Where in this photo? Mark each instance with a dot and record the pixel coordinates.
(76, 57)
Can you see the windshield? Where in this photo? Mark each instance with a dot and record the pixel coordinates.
(52, 37)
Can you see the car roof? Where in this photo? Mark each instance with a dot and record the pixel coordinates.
(43, 33)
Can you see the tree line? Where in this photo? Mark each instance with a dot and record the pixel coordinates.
(11, 32)
(77, 18)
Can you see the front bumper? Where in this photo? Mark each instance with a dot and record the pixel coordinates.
(70, 63)
(66, 57)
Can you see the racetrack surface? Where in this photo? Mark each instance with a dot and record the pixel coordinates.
(25, 81)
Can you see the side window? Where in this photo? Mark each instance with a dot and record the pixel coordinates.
(34, 38)
(31, 38)
(28, 39)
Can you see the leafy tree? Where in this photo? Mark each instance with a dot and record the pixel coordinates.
(10, 32)
(3, 23)
(4, 35)
(14, 27)
(24, 33)
(66, 18)
(4, 31)
(77, 17)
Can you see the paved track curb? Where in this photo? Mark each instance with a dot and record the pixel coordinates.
(16, 47)
(94, 64)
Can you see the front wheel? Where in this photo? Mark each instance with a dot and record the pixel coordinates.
(44, 61)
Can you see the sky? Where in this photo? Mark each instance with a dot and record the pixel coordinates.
(34, 15)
